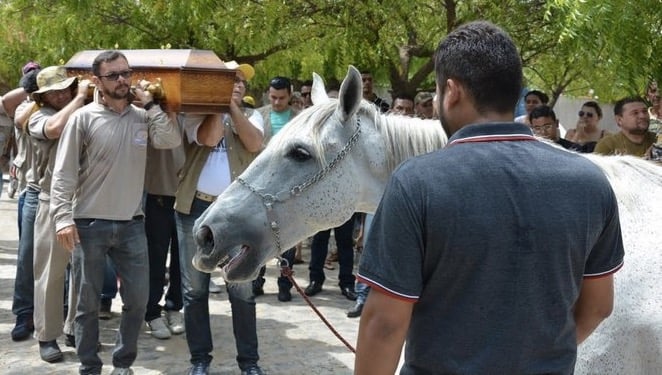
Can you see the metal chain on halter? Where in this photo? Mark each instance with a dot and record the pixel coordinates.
(269, 199)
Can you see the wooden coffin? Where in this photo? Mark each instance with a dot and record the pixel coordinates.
(192, 80)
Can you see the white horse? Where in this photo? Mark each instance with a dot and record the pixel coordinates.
(335, 158)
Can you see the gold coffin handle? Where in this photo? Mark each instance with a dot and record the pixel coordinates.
(156, 88)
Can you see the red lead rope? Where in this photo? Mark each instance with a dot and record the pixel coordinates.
(286, 271)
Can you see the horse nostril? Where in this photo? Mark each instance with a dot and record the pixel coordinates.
(205, 239)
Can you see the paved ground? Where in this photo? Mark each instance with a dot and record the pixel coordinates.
(293, 340)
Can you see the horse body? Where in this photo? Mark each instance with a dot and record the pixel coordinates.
(336, 157)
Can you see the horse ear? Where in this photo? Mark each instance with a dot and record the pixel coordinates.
(349, 97)
(318, 91)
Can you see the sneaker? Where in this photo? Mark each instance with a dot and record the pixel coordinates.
(213, 287)
(175, 321)
(122, 371)
(104, 309)
(159, 328)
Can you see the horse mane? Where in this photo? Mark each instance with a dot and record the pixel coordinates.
(630, 176)
(403, 137)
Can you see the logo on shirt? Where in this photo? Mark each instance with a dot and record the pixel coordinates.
(140, 137)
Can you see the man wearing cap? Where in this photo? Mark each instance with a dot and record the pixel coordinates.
(58, 97)
(423, 105)
(218, 148)
(96, 203)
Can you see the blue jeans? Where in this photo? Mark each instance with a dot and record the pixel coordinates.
(195, 290)
(124, 242)
(21, 202)
(345, 244)
(161, 232)
(109, 289)
(360, 288)
(24, 284)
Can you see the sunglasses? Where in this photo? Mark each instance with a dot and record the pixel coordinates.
(587, 114)
(305, 94)
(280, 83)
(114, 76)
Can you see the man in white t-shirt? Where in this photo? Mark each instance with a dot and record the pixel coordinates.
(218, 148)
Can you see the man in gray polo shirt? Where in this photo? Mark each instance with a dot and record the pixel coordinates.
(96, 198)
(495, 254)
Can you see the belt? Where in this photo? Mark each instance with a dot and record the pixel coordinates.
(205, 197)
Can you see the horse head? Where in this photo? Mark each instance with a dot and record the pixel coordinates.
(278, 201)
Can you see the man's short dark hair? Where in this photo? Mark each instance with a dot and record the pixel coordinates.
(542, 111)
(484, 59)
(307, 83)
(541, 95)
(104, 57)
(618, 107)
(402, 95)
(280, 83)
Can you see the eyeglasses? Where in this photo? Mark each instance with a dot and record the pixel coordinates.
(280, 83)
(114, 76)
(587, 114)
(239, 80)
(546, 127)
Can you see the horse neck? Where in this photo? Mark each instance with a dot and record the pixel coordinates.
(405, 137)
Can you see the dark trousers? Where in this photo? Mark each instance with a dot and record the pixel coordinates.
(195, 288)
(283, 281)
(345, 244)
(161, 232)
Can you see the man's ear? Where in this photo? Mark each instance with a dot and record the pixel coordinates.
(453, 93)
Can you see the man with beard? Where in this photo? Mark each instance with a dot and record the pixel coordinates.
(96, 198)
(505, 280)
(634, 138)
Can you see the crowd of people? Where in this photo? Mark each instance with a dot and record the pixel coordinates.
(110, 191)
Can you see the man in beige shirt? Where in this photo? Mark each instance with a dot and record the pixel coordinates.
(96, 198)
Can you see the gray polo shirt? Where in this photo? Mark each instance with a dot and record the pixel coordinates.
(100, 165)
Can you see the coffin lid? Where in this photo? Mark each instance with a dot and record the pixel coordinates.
(155, 58)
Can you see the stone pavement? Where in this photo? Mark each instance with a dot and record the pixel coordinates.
(293, 339)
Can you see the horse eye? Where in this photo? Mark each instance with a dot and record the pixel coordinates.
(299, 153)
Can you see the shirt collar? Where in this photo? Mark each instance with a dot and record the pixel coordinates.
(492, 132)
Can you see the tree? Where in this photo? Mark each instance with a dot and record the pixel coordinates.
(567, 46)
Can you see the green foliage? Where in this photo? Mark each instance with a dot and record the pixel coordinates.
(567, 46)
